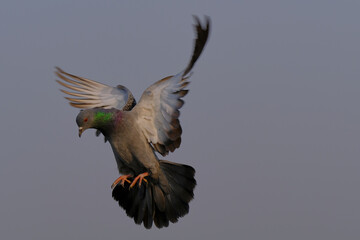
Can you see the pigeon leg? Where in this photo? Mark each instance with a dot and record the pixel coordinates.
(140, 178)
(122, 179)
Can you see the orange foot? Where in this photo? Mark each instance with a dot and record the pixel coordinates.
(140, 177)
(121, 180)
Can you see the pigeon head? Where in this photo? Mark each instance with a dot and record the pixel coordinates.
(97, 118)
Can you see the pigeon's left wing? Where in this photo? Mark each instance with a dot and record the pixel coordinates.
(158, 113)
(158, 109)
(88, 93)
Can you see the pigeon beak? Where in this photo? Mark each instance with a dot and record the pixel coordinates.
(81, 129)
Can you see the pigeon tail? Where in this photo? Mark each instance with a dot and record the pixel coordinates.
(151, 203)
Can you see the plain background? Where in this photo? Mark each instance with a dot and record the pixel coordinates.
(271, 123)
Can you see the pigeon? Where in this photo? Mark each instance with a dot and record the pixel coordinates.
(150, 190)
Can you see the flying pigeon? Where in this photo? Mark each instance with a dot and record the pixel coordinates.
(150, 190)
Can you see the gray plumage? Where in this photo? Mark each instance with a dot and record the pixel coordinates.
(150, 190)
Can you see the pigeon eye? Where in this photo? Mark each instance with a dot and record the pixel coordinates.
(86, 119)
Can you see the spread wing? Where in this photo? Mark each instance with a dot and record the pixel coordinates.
(158, 108)
(87, 93)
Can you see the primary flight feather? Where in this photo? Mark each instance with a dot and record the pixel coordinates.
(150, 190)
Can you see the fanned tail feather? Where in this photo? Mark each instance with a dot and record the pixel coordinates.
(151, 203)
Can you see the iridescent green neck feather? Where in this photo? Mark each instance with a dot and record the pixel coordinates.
(103, 117)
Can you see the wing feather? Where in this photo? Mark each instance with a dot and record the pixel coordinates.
(90, 94)
(158, 109)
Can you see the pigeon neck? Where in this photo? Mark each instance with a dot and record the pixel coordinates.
(105, 118)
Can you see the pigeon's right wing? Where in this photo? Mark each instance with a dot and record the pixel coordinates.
(91, 94)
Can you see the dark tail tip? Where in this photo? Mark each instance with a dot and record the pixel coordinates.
(152, 203)
(137, 202)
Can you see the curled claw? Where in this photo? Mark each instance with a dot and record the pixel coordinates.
(122, 179)
(140, 178)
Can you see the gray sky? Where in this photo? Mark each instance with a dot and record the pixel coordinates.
(271, 124)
